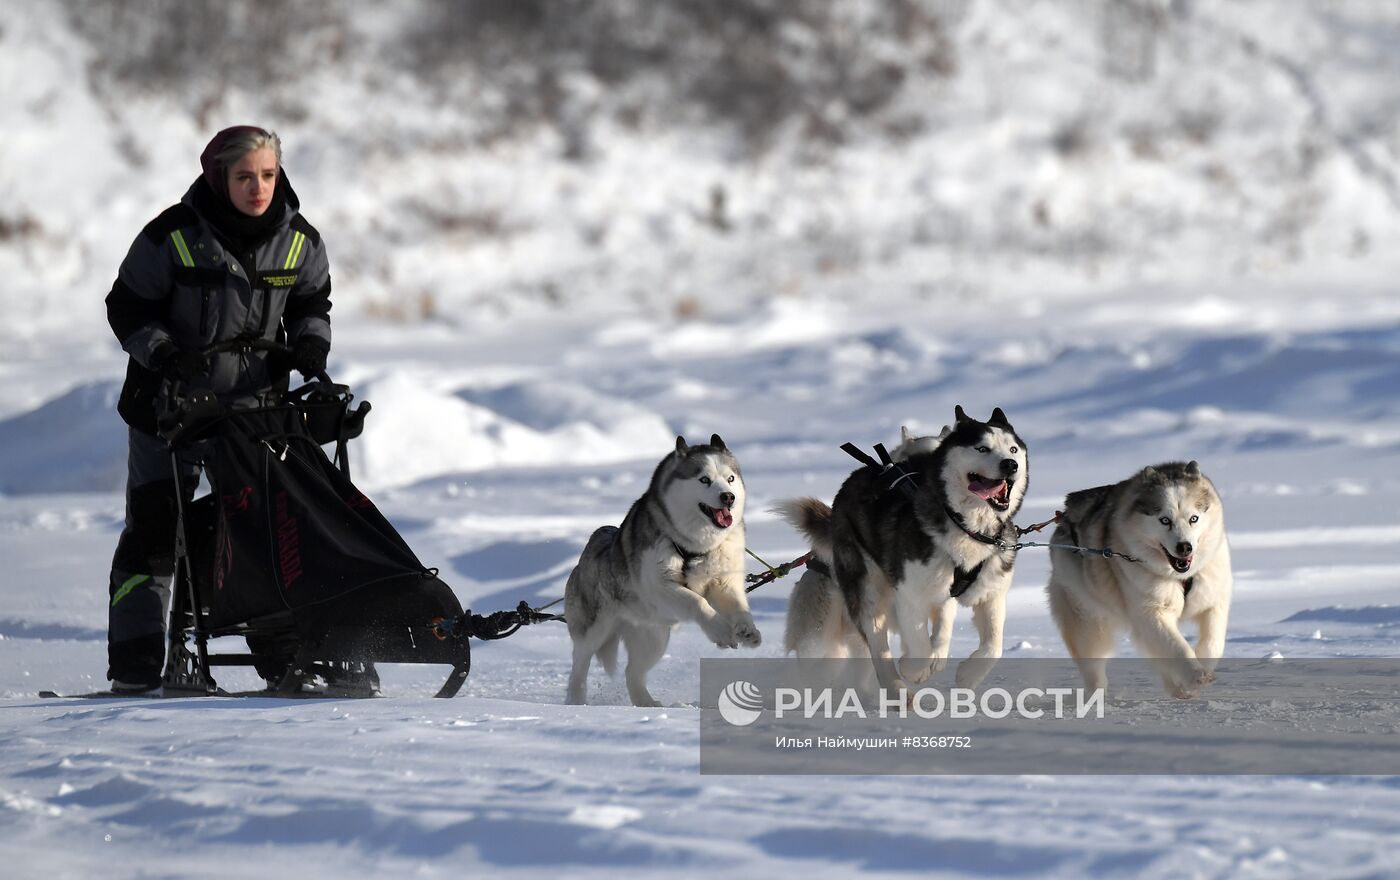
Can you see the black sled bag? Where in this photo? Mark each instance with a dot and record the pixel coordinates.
(284, 532)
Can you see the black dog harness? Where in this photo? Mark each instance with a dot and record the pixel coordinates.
(905, 480)
(687, 556)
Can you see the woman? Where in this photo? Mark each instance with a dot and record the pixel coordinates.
(234, 259)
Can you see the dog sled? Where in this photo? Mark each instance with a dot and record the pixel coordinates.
(287, 554)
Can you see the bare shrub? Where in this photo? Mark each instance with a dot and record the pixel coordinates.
(686, 308)
(1199, 125)
(18, 227)
(1073, 138)
(754, 65)
(422, 306)
(479, 222)
(199, 49)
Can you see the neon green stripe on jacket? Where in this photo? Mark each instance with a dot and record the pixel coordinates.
(184, 251)
(294, 252)
(131, 582)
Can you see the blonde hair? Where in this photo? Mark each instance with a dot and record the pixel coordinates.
(244, 143)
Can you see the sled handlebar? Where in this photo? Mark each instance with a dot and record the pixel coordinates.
(245, 344)
(186, 412)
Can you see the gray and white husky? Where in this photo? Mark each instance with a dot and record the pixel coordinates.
(678, 556)
(902, 557)
(1170, 520)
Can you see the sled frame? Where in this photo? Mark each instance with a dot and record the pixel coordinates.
(187, 669)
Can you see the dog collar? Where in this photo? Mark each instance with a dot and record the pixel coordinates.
(976, 536)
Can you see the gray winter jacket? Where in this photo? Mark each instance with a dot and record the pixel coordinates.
(180, 283)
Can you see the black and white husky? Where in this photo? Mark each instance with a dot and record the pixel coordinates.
(817, 628)
(678, 556)
(906, 545)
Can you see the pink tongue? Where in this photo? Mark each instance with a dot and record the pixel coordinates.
(985, 489)
(723, 518)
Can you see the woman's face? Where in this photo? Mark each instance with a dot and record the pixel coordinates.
(251, 181)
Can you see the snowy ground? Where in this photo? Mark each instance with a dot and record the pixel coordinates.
(497, 449)
(1078, 247)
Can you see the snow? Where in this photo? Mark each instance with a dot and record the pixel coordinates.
(526, 399)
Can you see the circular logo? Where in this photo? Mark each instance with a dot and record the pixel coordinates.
(740, 703)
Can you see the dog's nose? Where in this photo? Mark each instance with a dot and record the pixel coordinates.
(726, 498)
(1183, 548)
(1009, 466)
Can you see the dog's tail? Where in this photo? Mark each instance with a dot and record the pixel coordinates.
(813, 519)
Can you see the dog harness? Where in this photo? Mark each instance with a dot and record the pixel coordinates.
(687, 556)
(904, 480)
(1186, 585)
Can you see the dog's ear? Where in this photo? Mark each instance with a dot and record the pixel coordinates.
(1151, 475)
(1193, 469)
(998, 418)
(943, 434)
(681, 449)
(958, 414)
(718, 442)
(904, 435)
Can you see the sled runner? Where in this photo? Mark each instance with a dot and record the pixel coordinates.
(287, 553)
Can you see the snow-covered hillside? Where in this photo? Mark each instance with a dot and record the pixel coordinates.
(1139, 255)
(1028, 145)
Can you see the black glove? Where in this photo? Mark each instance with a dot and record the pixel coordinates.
(309, 356)
(179, 364)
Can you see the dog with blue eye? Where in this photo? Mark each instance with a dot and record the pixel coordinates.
(1171, 564)
(677, 557)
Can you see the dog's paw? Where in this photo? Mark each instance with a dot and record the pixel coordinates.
(721, 632)
(745, 633)
(1188, 682)
(1181, 692)
(972, 670)
(916, 670)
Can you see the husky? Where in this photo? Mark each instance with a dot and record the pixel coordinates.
(1170, 521)
(678, 556)
(817, 627)
(906, 545)
(911, 444)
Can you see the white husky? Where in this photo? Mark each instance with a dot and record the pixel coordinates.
(678, 556)
(1170, 520)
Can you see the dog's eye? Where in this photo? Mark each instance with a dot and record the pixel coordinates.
(705, 481)
(1195, 519)
(1166, 521)
(731, 478)
(984, 449)
(1014, 450)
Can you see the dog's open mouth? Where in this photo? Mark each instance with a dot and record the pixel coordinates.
(1179, 564)
(720, 516)
(997, 493)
